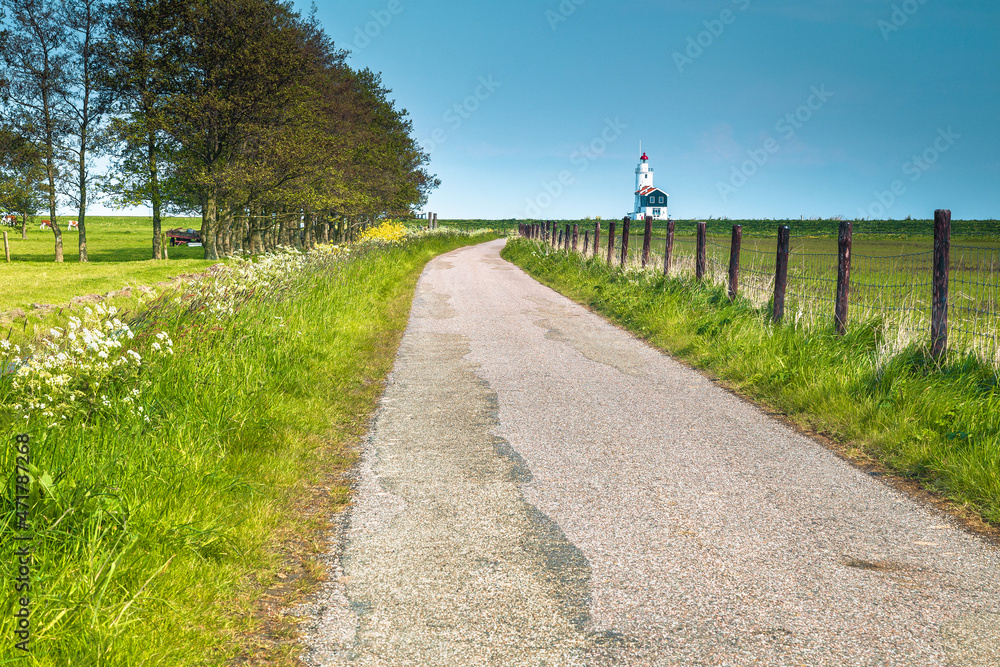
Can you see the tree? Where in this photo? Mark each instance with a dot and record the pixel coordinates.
(238, 65)
(137, 74)
(36, 72)
(86, 103)
(21, 175)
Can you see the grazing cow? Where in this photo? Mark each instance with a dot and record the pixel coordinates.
(73, 224)
(46, 224)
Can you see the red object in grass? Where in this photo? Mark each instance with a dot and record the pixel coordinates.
(180, 236)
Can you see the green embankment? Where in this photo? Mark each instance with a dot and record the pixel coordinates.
(938, 423)
(158, 542)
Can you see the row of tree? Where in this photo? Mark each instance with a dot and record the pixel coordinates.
(241, 110)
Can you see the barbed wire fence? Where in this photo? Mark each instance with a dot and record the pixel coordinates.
(895, 292)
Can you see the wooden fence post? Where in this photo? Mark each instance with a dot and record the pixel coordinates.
(566, 238)
(576, 237)
(669, 249)
(781, 272)
(559, 247)
(939, 307)
(647, 239)
(6, 247)
(844, 238)
(734, 261)
(435, 221)
(611, 241)
(701, 258)
(626, 222)
(597, 238)
(586, 241)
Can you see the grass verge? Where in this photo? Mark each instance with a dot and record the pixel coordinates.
(934, 422)
(159, 533)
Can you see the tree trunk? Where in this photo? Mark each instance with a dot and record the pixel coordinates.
(81, 222)
(55, 225)
(282, 224)
(24, 226)
(224, 235)
(307, 241)
(50, 168)
(209, 224)
(81, 219)
(256, 222)
(154, 195)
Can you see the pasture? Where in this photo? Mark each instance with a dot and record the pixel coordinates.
(890, 272)
(119, 248)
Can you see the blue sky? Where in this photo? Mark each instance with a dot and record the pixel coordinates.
(747, 108)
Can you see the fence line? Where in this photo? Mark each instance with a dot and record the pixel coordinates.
(949, 295)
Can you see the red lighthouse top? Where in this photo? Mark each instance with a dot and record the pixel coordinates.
(644, 158)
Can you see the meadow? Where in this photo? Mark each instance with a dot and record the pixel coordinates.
(119, 248)
(890, 272)
(188, 448)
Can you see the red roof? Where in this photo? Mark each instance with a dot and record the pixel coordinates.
(648, 189)
(644, 158)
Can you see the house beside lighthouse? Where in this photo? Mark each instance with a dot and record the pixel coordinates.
(649, 200)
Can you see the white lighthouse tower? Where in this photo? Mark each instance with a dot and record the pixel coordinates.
(649, 200)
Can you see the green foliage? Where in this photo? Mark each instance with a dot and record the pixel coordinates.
(938, 423)
(154, 539)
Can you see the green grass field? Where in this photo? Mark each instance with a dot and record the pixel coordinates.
(890, 277)
(119, 248)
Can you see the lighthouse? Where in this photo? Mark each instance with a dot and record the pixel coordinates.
(649, 200)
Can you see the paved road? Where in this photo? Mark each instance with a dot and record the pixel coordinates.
(540, 488)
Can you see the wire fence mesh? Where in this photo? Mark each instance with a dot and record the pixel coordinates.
(895, 288)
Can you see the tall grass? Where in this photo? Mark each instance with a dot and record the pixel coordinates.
(157, 531)
(936, 422)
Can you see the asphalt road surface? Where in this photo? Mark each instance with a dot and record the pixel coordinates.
(541, 488)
